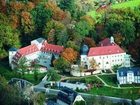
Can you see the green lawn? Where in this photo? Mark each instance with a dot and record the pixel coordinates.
(30, 77)
(110, 79)
(94, 14)
(134, 3)
(131, 4)
(133, 93)
(6, 71)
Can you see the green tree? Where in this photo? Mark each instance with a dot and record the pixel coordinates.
(80, 103)
(72, 44)
(53, 75)
(61, 64)
(38, 98)
(40, 16)
(9, 37)
(82, 28)
(9, 94)
(22, 66)
(68, 5)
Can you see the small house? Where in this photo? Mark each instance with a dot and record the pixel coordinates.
(128, 75)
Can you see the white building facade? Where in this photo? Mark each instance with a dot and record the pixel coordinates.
(106, 55)
(128, 75)
(39, 52)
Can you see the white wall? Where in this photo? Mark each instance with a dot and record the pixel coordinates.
(107, 61)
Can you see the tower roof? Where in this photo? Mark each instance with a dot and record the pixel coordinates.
(13, 49)
(84, 49)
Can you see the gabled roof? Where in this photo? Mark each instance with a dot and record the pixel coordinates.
(105, 42)
(52, 48)
(67, 95)
(28, 50)
(105, 50)
(124, 70)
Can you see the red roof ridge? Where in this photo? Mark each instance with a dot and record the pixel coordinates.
(28, 49)
(105, 50)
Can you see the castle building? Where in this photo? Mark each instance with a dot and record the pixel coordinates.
(106, 55)
(40, 51)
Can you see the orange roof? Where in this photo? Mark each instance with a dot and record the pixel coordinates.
(52, 48)
(28, 50)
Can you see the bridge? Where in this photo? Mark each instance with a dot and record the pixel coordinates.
(20, 83)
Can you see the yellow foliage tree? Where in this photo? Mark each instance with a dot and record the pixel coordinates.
(70, 55)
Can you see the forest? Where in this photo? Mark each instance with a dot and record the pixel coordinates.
(66, 23)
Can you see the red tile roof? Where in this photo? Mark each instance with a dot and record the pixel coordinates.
(28, 50)
(105, 50)
(52, 48)
(105, 42)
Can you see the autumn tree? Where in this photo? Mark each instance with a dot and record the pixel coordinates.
(90, 42)
(57, 13)
(93, 64)
(9, 37)
(70, 55)
(27, 25)
(55, 32)
(89, 20)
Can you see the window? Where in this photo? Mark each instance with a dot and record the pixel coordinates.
(121, 73)
(107, 63)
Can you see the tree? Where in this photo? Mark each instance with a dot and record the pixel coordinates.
(90, 42)
(56, 32)
(73, 45)
(27, 25)
(38, 98)
(89, 20)
(9, 94)
(53, 75)
(9, 37)
(80, 103)
(68, 5)
(40, 16)
(93, 64)
(61, 64)
(58, 14)
(70, 55)
(82, 28)
(22, 66)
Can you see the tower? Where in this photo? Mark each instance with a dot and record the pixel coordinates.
(83, 56)
(12, 52)
(112, 40)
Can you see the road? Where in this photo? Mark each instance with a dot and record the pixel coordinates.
(40, 88)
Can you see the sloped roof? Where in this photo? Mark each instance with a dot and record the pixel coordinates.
(105, 50)
(52, 48)
(67, 95)
(28, 50)
(105, 42)
(13, 49)
(124, 70)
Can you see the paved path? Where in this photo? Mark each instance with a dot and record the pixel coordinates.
(105, 84)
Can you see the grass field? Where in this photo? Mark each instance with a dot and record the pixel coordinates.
(128, 4)
(8, 74)
(133, 93)
(110, 79)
